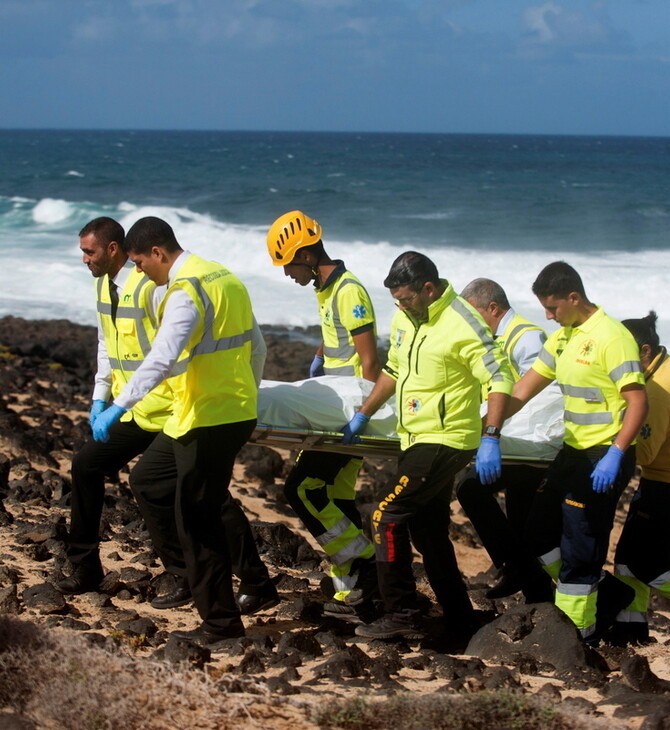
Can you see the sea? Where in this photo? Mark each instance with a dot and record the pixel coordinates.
(497, 206)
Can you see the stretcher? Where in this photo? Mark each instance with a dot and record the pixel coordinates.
(283, 437)
(310, 414)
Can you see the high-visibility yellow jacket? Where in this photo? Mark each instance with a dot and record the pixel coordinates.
(212, 381)
(128, 341)
(653, 443)
(440, 367)
(515, 330)
(591, 363)
(346, 310)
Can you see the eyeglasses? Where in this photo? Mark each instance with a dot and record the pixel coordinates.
(406, 301)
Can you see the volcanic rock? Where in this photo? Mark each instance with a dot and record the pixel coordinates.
(301, 641)
(179, 650)
(638, 675)
(539, 630)
(44, 598)
(281, 546)
(9, 600)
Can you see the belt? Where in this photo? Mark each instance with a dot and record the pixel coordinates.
(593, 452)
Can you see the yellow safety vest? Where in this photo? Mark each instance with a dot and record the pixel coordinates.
(517, 327)
(440, 367)
(212, 380)
(345, 309)
(591, 363)
(128, 341)
(653, 444)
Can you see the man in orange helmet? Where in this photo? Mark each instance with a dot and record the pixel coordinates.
(321, 486)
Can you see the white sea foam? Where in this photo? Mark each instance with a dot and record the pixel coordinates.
(43, 250)
(50, 211)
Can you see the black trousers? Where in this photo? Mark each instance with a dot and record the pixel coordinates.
(190, 476)
(501, 532)
(644, 545)
(566, 513)
(416, 506)
(90, 465)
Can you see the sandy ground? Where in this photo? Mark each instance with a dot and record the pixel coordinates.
(472, 560)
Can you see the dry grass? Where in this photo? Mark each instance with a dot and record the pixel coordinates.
(62, 682)
(498, 710)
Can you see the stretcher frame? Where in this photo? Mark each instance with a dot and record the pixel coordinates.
(284, 437)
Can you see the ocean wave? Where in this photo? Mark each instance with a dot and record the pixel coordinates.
(626, 284)
(50, 211)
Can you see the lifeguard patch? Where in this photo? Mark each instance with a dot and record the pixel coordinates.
(413, 405)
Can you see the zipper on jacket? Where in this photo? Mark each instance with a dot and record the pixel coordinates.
(416, 359)
(399, 405)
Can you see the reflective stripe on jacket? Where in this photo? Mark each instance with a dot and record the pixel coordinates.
(128, 341)
(515, 330)
(212, 380)
(345, 309)
(440, 367)
(591, 363)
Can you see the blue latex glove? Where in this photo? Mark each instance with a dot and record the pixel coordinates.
(96, 409)
(488, 461)
(105, 420)
(606, 470)
(356, 426)
(316, 368)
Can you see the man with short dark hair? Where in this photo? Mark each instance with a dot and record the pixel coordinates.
(501, 532)
(596, 363)
(126, 303)
(203, 349)
(642, 558)
(321, 487)
(441, 355)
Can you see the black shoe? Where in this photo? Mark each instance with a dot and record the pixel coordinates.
(180, 596)
(84, 579)
(342, 611)
(253, 604)
(206, 638)
(629, 633)
(391, 626)
(509, 583)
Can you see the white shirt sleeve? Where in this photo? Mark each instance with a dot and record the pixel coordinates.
(527, 348)
(259, 353)
(102, 383)
(179, 320)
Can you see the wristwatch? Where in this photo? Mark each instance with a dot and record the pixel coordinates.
(492, 431)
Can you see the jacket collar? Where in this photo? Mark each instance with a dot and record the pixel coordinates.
(656, 363)
(592, 322)
(339, 269)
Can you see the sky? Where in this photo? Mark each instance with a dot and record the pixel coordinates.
(478, 66)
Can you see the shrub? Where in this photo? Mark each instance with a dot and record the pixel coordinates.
(482, 711)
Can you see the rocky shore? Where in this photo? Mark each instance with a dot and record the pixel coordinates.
(105, 660)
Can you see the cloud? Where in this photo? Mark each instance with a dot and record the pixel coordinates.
(536, 22)
(551, 29)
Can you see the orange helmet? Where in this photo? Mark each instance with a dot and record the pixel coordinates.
(290, 232)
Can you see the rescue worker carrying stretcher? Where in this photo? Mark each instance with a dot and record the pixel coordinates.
(596, 363)
(501, 532)
(441, 355)
(321, 487)
(203, 350)
(126, 306)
